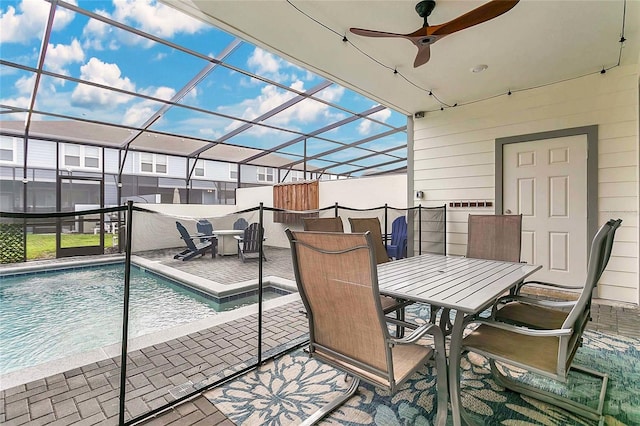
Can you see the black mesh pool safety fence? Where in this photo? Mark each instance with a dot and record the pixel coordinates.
(194, 299)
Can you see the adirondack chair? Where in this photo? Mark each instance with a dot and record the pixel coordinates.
(194, 249)
(397, 247)
(250, 242)
(240, 224)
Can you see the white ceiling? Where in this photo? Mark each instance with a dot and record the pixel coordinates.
(535, 43)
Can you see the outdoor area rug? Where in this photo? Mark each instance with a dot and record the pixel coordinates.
(287, 390)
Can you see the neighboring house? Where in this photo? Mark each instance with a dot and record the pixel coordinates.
(149, 177)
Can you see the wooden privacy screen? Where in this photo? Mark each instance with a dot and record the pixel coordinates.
(295, 196)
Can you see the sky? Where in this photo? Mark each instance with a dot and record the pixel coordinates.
(88, 49)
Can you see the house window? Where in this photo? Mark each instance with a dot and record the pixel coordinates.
(265, 174)
(72, 155)
(233, 171)
(92, 157)
(7, 150)
(199, 168)
(153, 163)
(297, 176)
(80, 156)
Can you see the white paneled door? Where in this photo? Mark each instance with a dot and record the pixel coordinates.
(546, 181)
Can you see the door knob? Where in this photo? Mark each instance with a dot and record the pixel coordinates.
(507, 211)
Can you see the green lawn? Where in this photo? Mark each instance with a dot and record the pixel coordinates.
(43, 246)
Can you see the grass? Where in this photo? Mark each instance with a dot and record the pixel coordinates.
(43, 246)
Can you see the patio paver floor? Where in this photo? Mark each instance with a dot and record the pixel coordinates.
(89, 395)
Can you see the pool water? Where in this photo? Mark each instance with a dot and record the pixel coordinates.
(46, 316)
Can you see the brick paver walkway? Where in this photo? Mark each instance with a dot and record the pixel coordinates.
(156, 375)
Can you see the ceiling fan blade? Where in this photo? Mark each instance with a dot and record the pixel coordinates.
(476, 16)
(424, 53)
(373, 33)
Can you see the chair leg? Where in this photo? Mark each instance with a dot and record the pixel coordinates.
(399, 328)
(555, 399)
(338, 401)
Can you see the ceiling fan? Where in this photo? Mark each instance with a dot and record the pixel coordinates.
(427, 35)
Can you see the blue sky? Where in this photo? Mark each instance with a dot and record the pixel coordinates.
(87, 49)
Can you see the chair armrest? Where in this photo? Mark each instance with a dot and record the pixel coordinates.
(537, 302)
(547, 284)
(524, 330)
(237, 237)
(418, 333)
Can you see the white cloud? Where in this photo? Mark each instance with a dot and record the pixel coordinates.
(156, 18)
(263, 62)
(96, 31)
(29, 21)
(306, 111)
(60, 55)
(103, 73)
(146, 15)
(24, 89)
(25, 84)
(366, 126)
(140, 112)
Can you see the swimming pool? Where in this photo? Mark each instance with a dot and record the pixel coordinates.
(52, 314)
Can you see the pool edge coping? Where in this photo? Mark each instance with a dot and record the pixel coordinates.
(61, 365)
(218, 290)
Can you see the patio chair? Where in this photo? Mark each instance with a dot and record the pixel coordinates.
(334, 224)
(240, 224)
(540, 313)
(372, 225)
(397, 247)
(250, 242)
(336, 275)
(494, 237)
(546, 351)
(205, 229)
(491, 237)
(323, 224)
(193, 249)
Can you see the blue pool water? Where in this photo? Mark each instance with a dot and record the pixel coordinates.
(46, 316)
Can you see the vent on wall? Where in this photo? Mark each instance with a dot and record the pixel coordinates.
(454, 204)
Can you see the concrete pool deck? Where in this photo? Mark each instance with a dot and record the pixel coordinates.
(159, 370)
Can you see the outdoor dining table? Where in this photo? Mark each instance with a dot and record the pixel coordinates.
(465, 285)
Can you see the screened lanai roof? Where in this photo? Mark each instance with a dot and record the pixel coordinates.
(143, 76)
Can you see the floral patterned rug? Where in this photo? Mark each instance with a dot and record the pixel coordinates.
(287, 390)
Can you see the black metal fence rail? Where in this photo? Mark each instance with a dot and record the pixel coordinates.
(426, 224)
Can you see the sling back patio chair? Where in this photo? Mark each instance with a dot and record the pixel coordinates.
(250, 241)
(397, 247)
(491, 237)
(546, 351)
(323, 224)
(337, 279)
(540, 313)
(334, 224)
(194, 249)
(372, 225)
(494, 237)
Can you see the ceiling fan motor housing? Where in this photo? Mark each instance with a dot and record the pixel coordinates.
(424, 9)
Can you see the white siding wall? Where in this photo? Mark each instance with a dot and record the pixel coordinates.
(454, 157)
